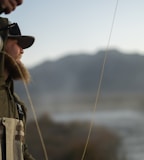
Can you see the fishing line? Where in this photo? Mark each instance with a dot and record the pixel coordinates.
(36, 121)
(33, 111)
(100, 82)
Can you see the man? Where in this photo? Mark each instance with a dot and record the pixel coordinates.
(12, 110)
(7, 6)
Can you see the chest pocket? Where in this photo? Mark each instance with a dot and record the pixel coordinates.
(12, 131)
(14, 137)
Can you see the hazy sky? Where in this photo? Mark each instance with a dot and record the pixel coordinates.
(63, 27)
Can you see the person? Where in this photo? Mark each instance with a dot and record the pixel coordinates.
(12, 109)
(7, 6)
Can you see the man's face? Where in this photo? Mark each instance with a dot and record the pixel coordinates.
(13, 64)
(13, 49)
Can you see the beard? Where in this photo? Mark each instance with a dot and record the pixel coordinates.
(16, 69)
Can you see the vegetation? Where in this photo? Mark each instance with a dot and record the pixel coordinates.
(66, 141)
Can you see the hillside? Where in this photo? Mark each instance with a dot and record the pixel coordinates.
(78, 76)
(80, 73)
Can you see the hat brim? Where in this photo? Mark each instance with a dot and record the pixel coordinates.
(23, 41)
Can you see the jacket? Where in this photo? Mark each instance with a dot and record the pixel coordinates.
(12, 121)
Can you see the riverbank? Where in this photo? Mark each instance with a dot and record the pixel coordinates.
(128, 124)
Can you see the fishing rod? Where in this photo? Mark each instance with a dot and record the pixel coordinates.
(100, 81)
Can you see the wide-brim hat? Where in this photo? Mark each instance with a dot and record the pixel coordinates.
(24, 41)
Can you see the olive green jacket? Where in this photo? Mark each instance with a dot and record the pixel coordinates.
(8, 105)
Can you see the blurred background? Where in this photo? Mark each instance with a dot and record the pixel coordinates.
(65, 63)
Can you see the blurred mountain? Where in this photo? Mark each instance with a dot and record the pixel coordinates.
(79, 75)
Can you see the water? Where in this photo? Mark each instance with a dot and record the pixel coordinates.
(127, 123)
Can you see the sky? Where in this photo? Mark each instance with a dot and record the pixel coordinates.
(63, 27)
